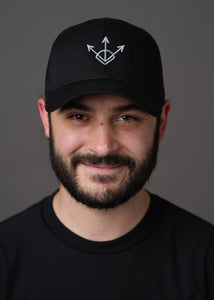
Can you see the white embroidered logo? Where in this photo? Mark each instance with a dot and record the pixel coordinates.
(105, 56)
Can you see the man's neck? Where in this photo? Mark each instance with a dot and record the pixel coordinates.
(100, 225)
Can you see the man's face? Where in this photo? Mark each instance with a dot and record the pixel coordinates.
(103, 149)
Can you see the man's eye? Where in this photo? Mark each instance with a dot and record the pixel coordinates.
(78, 117)
(127, 122)
(127, 118)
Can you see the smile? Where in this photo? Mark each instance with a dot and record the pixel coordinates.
(102, 167)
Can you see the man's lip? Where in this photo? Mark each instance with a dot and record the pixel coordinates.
(102, 167)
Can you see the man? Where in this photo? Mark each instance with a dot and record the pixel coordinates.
(102, 235)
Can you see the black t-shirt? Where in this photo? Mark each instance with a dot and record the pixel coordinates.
(169, 255)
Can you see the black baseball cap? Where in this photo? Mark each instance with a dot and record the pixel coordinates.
(105, 56)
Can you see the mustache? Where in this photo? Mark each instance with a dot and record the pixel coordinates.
(108, 160)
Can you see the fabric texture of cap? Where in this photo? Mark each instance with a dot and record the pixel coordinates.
(105, 56)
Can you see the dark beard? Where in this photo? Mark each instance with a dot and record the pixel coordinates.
(139, 173)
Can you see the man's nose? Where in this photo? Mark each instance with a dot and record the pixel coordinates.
(102, 140)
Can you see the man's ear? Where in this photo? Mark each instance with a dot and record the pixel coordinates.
(163, 119)
(44, 116)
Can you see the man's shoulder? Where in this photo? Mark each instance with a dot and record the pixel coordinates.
(22, 223)
(20, 217)
(183, 222)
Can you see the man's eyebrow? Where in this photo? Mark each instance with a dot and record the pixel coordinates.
(127, 108)
(74, 105)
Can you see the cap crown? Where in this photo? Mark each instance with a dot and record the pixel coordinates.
(105, 48)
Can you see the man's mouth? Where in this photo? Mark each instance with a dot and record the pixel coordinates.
(102, 167)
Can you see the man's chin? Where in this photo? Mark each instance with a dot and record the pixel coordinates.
(98, 189)
(98, 199)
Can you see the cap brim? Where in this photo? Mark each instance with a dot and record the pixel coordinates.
(135, 93)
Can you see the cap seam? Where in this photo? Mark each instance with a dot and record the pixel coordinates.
(105, 69)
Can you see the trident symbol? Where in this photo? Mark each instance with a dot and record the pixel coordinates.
(105, 56)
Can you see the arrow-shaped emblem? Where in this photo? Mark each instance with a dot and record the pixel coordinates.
(105, 56)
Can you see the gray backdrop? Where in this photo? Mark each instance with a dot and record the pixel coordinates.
(184, 31)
